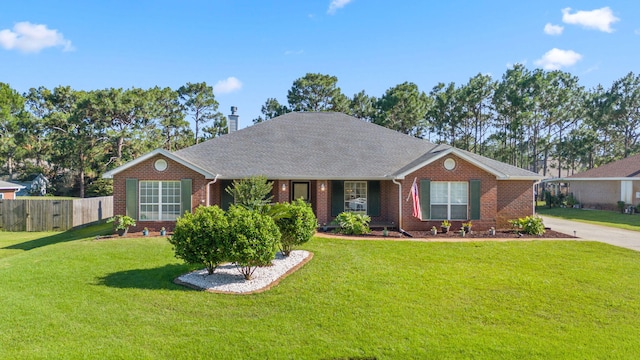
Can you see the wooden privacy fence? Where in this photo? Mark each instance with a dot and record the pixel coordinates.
(49, 214)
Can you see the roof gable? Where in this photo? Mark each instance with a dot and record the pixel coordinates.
(111, 173)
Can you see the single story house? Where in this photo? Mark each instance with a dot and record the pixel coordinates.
(8, 190)
(335, 162)
(604, 186)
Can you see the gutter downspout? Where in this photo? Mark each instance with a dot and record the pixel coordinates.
(399, 204)
(208, 186)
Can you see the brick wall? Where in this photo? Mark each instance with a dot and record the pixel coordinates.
(146, 171)
(8, 194)
(515, 200)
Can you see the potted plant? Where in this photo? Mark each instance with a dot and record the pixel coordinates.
(385, 232)
(163, 231)
(467, 226)
(434, 231)
(123, 223)
(145, 231)
(445, 225)
(492, 231)
(462, 232)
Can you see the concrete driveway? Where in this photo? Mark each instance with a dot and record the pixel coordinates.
(618, 237)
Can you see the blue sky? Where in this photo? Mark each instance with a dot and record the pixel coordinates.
(253, 50)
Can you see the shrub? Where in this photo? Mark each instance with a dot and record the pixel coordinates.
(297, 225)
(571, 200)
(202, 237)
(253, 239)
(252, 193)
(352, 224)
(531, 225)
(122, 222)
(621, 205)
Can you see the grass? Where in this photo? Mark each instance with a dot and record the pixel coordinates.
(81, 298)
(599, 217)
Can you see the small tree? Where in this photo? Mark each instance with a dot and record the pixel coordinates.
(297, 226)
(201, 237)
(253, 239)
(252, 193)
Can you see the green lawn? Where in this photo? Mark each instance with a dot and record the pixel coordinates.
(82, 298)
(600, 217)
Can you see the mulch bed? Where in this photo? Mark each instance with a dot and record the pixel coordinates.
(500, 234)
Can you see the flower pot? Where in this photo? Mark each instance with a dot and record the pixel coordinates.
(492, 232)
(122, 232)
(145, 232)
(466, 229)
(434, 232)
(163, 232)
(445, 229)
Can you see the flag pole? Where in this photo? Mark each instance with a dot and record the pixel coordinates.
(414, 182)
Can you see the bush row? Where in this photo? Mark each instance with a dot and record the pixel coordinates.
(247, 237)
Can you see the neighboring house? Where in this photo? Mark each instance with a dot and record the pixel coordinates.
(36, 186)
(604, 186)
(335, 162)
(8, 190)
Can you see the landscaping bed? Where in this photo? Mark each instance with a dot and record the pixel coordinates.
(500, 234)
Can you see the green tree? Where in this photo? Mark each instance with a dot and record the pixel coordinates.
(253, 239)
(403, 108)
(362, 106)
(317, 92)
(170, 116)
(271, 108)
(11, 111)
(202, 237)
(199, 101)
(253, 193)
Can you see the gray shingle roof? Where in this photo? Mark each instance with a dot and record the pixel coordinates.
(319, 145)
(10, 185)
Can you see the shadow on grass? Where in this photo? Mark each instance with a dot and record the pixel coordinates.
(160, 278)
(69, 235)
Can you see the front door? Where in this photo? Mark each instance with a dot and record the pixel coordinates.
(300, 190)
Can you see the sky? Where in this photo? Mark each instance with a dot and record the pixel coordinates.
(253, 50)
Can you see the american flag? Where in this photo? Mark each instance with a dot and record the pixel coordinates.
(416, 200)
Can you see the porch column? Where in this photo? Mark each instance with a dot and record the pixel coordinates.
(322, 201)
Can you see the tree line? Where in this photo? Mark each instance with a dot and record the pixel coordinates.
(544, 121)
(74, 136)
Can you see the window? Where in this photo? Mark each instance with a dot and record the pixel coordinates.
(355, 196)
(159, 200)
(449, 200)
(1, 195)
(300, 190)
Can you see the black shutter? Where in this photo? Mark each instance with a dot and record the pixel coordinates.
(425, 199)
(226, 199)
(474, 199)
(185, 195)
(373, 198)
(131, 198)
(337, 197)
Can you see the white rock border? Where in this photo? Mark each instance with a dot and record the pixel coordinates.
(226, 279)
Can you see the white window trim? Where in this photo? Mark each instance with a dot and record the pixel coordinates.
(448, 204)
(1, 196)
(360, 202)
(159, 203)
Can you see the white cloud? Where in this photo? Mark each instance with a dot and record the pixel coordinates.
(227, 85)
(551, 29)
(31, 38)
(600, 19)
(337, 4)
(555, 59)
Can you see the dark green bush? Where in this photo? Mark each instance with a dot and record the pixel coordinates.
(621, 205)
(202, 237)
(253, 239)
(352, 224)
(297, 225)
(531, 225)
